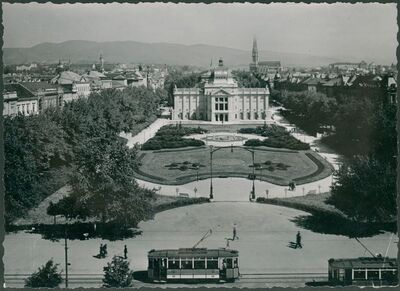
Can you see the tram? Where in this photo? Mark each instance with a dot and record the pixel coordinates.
(364, 271)
(193, 264)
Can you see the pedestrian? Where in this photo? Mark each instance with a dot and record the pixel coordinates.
(101, 250)
(234, 233)
(298, 240)
(125, 252)
(105, 250)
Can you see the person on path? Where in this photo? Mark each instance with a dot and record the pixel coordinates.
(101, 250)
(298, 240)
(105, 250)
(234, 233)
(125, 252)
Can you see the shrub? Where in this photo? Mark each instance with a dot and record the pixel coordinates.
(47, 276)
(117, 273)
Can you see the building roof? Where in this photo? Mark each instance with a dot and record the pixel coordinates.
(95, 74)
(22, 92)
(364, 262)
(67, 77)
(190, 253)
(270, 63)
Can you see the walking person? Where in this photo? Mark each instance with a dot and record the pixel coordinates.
(101, 251)
(298, 240)
(125, 252)
(105, 250)
(234, 233)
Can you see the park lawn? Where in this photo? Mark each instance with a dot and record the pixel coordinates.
(308, 203)
(301, 168)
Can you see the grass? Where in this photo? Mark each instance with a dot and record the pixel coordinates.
(308, 203)
(326, 218)
(300, 166)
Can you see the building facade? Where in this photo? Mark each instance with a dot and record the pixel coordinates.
(219, 99)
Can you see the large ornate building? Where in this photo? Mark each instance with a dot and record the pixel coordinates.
(219, 99)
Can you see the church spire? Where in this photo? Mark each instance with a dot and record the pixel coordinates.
(254, 53)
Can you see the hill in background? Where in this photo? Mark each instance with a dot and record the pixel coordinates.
(80, 51)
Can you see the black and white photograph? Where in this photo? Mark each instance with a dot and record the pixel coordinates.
(193, 145)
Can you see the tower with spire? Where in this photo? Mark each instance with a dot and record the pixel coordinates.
(254, 57)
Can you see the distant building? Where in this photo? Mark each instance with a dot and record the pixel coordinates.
(23, 68)
(219, 99)
(10, 101)
(268, 68)
(74, 86)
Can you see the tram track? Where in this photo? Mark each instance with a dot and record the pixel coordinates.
(83, 280)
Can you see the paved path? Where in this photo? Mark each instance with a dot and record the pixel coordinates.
(264, 232)
(146, 133)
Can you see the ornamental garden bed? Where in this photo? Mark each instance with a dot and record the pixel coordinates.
(276, 137)
(171, 136)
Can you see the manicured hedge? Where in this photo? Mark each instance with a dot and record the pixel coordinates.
(277, 137)
(171, 136)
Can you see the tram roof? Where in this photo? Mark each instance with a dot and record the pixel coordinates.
(364, 262)
(193, 252)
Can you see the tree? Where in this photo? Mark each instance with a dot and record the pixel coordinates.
(117, 273)
(365, 190)
(69, 207)
(47, 276)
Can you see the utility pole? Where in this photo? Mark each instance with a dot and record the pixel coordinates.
(66, 255)
(253, 191)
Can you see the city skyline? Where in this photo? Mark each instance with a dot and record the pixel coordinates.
(338, 30)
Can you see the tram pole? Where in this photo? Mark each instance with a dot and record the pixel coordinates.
(66, 255)
(253, 191)
(211, 173)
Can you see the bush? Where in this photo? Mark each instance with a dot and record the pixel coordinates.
(47, 277)
(277, 137)
(171, 136)
(117, 273)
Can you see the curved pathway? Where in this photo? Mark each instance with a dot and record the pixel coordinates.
(238, 189)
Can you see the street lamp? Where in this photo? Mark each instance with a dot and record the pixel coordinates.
(66, 254)
(211, 173)
(253, 191)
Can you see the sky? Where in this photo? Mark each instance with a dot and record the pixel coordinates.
(318, 29)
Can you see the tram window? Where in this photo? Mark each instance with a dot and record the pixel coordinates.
(359, 274)
(389, 275)
(373, 274)
(186, 264)
(173, 264)
(212, 264)
(199, 264)
(235, 263)
(229, 263)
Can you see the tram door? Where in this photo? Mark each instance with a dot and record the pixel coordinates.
(160, 269)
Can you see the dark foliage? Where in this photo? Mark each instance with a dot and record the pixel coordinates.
(42, 151)
(117, 273)
(171, 136)
(46, 277)
(277, 137)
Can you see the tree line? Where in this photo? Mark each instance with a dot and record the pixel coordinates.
(79, 144)
(363, 129)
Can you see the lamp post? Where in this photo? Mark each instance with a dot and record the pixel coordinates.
(253, 191)
(211, 173)
(66, 254)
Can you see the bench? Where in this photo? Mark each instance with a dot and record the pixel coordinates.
(183, 195)
(312, 192)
